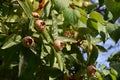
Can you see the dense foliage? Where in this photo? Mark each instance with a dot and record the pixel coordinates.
(56, 39)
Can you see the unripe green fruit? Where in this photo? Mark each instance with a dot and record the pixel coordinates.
(40, 25)
(28, 41)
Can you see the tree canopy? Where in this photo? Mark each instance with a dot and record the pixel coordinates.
(48, 39)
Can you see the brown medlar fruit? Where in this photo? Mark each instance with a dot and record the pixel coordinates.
(59, 45)
(91, 70)
(35, 14)
(28, 41)
(67, 34)
(75, 34)
(40, 25)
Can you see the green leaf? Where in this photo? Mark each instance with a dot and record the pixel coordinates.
(48, 48)
(114, 7)
(49, 22)
(59, 59)
(93, 55)
(66, 39)
(71, 16)
(95, 41)
(43, 52)
(35, 5)
(91, 7)
(101, 2)
(26, 8)
(22, 65)
(54, 24)
(48, 8)
(12, 40)
(92, 24)
(97, 16)
(115, 66)
(47, 36)
(29, 4)
(98, 75)
(114, 72)
(83, 17)
(101, 48)
(31, 25)
(73, 57)
(82, 12)
(102, 31)
(68, 47)
(114, 31)
(61, 4)
(12, 19)
(113, 77)
(84, 31)
(3, 35)
(106, 72)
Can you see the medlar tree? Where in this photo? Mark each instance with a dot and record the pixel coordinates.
(55, 39)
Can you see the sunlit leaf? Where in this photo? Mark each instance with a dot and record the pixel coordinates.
(12, 19)
(68, 47)
(114, 72)
(66, 39)
(31, 25)
(29, 4)
(92, 24)
(61, 4)
(106, 72)
(71, 16)
(113, 77)
(98, 75)
(95, 40)
(59, 59)
(97, 16)
(12, 40)
(26, 8)
(47, 8)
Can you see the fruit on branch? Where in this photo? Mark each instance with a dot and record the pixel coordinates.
(91, 70)
(28, 41)
(75, 34)
(86, 3)
(40, 25)
(67, 34)
(35, 14)
(59, 45)
(66, 77)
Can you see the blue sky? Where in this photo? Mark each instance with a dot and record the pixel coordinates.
(103, 56)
